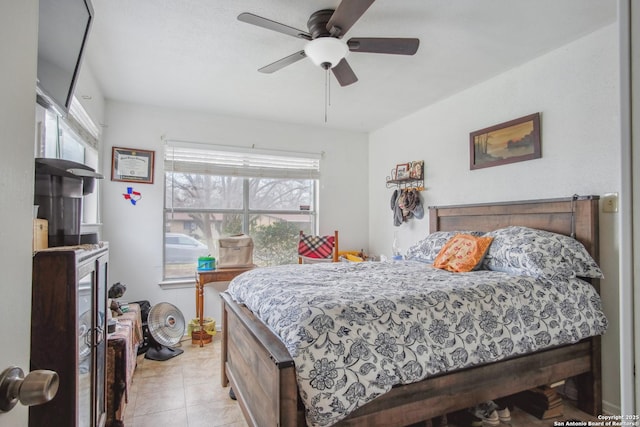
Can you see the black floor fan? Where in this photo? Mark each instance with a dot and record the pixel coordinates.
(166, 328)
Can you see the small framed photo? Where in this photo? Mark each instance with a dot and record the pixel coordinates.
(417, 169)
(132, 165)
(402, 171)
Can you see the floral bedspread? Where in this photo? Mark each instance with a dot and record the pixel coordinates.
(356, 329)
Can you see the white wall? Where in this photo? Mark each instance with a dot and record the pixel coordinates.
(575, 88)
(135, 232)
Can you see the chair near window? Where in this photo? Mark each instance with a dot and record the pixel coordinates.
(313, 249)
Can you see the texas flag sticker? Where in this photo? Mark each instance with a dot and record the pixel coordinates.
(132, 196)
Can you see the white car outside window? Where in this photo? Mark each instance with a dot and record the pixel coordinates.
(181, 249)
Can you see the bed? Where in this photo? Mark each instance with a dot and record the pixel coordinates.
(262, 372)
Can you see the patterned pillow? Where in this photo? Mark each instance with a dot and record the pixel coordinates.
(428, 248)
(538, 253)
(462, 253)
(316, 246)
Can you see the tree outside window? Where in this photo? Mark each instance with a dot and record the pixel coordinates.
(206, 207)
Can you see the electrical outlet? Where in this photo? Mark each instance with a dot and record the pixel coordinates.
(610, 203)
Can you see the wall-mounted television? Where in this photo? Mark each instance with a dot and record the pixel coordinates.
(63, 29)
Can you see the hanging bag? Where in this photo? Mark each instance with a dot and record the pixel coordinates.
(235, 251)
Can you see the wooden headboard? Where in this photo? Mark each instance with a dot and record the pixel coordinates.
(575, 216)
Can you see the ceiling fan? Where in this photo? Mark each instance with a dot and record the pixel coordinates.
(325, 46)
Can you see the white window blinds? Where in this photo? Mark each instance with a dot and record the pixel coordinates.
(225, 160)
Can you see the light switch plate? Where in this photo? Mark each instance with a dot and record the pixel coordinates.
(610, 203)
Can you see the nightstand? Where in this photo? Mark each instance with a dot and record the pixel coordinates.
(205, 277)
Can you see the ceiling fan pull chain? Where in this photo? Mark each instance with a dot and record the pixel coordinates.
(329, 88)
(326, 93)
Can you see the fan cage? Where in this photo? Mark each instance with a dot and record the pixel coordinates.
(166, 324)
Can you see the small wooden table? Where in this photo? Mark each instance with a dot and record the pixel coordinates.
(204, 277)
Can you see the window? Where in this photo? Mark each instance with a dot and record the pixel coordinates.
(74, 138)
(215, 191)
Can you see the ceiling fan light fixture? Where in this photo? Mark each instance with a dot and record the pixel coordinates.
(326, 52)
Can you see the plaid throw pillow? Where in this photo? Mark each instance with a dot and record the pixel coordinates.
(316, 246)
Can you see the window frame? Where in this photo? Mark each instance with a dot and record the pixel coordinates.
(246, 212)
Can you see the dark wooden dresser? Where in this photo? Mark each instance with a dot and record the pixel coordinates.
(68, 333)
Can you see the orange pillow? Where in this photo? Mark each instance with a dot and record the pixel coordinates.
(462, 253)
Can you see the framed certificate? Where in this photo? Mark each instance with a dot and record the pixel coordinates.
(131, 165)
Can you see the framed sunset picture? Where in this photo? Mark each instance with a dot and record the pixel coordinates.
(513, 141)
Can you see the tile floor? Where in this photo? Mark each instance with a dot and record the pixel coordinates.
(185, 392)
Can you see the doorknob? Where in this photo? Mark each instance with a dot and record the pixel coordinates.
(36, 388)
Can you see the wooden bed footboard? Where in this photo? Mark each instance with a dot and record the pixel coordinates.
(263, 379)
(262, 373)
(259, 368)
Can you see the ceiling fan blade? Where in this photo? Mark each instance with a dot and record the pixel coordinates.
(250, 18)
(384, 45)
(281, 63)
(344, 74)
(347, 13)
